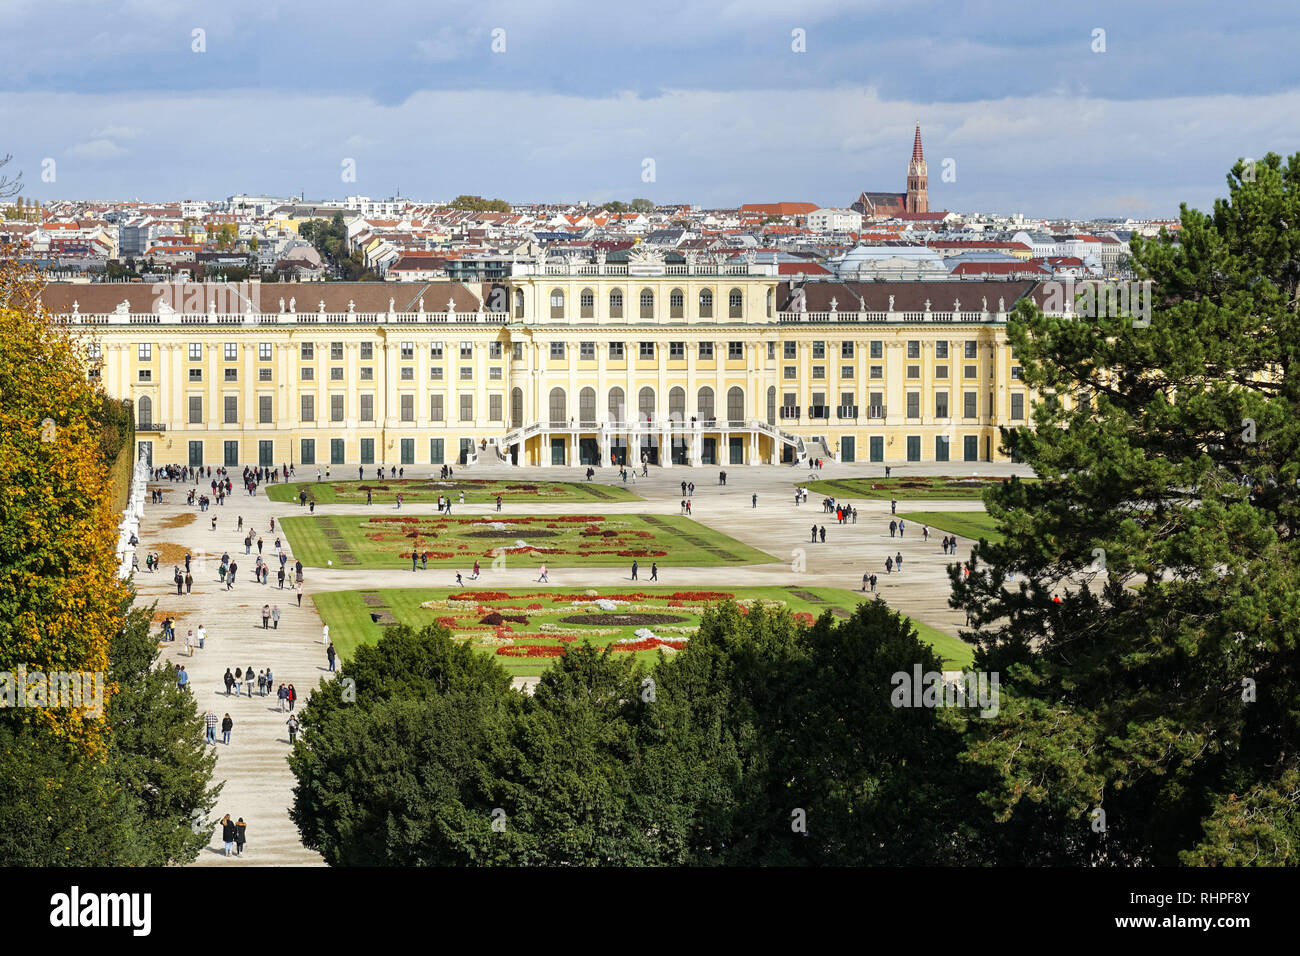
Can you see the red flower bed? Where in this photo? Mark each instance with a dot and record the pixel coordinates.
(701, 596)
(587, 598)
(530, 650)
(803, 617)
(649, 644)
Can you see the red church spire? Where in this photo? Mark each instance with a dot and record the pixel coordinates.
(916, 144)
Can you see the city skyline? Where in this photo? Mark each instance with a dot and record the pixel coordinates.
(1019, 114)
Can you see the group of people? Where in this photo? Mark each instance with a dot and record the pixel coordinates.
(265, 680)
(234, 835)
(654, 571)
(843, 512)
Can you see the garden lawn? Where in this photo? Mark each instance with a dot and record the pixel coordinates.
(428, 489)
(968, 524)
(527, 649)
(950, 488)
(561, 541)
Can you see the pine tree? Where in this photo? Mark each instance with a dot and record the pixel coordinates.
(1143, 713)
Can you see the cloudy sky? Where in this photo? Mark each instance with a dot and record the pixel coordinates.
(1120, 108)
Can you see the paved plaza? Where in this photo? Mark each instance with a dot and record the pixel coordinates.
(258, 785)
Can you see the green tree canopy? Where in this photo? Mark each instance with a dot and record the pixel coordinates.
(1161, 690)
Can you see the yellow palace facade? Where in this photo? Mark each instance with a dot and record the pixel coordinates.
(581, 362)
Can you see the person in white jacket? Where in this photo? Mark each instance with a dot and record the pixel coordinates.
(325, 634)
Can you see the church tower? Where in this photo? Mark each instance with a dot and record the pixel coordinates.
(918, 199)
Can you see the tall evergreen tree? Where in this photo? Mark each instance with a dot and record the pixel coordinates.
(1151, 716)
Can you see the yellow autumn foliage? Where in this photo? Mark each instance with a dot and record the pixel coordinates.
(60, 598)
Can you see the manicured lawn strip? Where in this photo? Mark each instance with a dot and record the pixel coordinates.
(335, 491)
(379, 541)
(952, 488)
(959, 654)
(349, 617)
(968, 524)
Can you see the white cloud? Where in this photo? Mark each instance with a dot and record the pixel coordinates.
(97, 149)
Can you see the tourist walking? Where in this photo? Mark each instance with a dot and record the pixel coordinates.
(228, 834)
(230, 681)
(634, 570)
(227, 725)
(329, 654)
(241, 836)
(543, 579)
(292, 697)
(292, 724)
(654, 571)
(300, 593)
(275, 617)
(266, 616)
(898, 560)
(283, 695)
(210, 722)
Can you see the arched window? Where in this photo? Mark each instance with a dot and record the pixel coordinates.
(706, 303)
(519, 303)
(771, 405)
(677, 404)
(735, 404)
(616, 304)
(559, 413)
(704, 406)
(770, 296)
(143, 412)
(645, 404)
(617, 405)
(587, 406)
(587, 304)
(557, 304)
(676, 304)
(735, 304)
(517, 408)
(647, 304)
